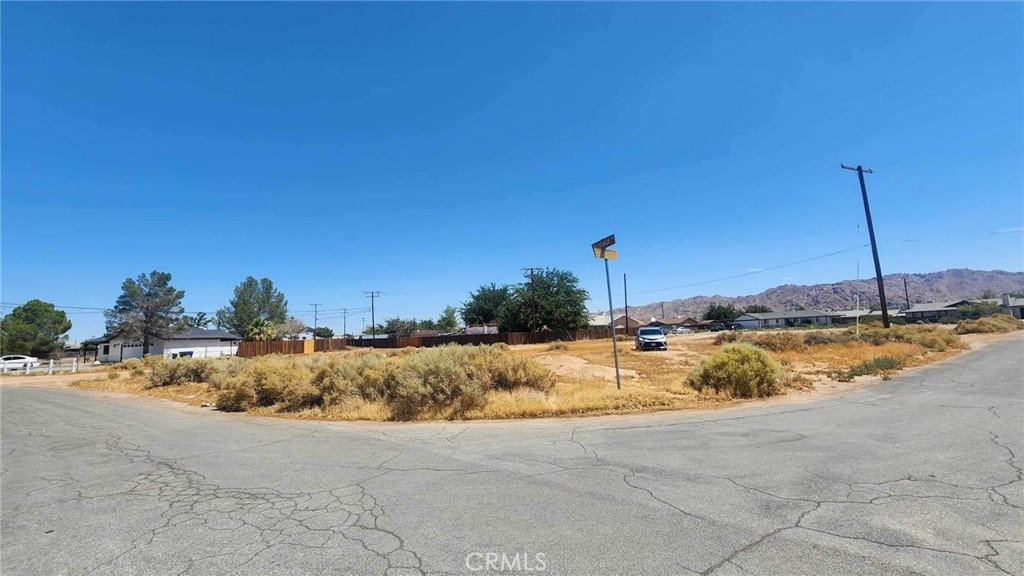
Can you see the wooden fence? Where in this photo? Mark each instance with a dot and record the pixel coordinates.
(250, 349)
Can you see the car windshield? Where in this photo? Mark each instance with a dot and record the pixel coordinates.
(650, 332)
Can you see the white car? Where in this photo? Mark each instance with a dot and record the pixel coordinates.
(681, 330)
(16, 361)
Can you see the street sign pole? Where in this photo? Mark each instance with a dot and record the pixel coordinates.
(601, 251)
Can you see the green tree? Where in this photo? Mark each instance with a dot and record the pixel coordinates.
(757, 308)
(35, 328)
(448, 321)
(148, 308)
(200, 320)
(396, 326)
(484, 304)
(721, 312)
(253, 300)
(551, 299)
(260, 329)
(323, 332)
(975, 310)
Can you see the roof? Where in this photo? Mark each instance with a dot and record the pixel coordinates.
(602, 320)
(851, 313)
(786, 314)
(687, 321)
(1014, 301)
(935, 306)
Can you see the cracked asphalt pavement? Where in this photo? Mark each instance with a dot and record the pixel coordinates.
(919, 475)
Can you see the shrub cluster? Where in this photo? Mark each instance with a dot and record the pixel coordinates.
(774, 341)
(989, 324)
(929, 337)
(740, 370)
(448, 379)
(129, 364)
(180, 371)
(878, 365)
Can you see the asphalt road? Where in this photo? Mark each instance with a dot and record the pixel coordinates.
(920, 475)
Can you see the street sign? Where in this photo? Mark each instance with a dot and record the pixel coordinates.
(604, 242)
(605, 253)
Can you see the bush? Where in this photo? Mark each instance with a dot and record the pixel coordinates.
(824, 338)
(559, 345)
(878, 365)
(113, 375)
(180, 371)
(284, 381)
(989, 325)
(726, 337)
(138, 372)
(436, 379)
(236, 397)
(777, 342)
(740, 370)
(152, 360)
(929, 337)
(129, 364)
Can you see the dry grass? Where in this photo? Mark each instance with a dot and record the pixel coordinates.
(501, 382)
(989, 325)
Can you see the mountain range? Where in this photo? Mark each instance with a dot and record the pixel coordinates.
(954, 284)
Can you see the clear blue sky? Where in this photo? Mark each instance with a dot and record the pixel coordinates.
(425, 149)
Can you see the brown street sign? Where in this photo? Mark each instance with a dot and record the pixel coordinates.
(604, 242)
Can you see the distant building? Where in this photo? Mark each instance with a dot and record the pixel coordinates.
(848, 317)
(785, 319)
(621, 322)
(935, 311)
(425, 333)
(482, 329)
(672, 323)
(193, 343)
(1012, 305)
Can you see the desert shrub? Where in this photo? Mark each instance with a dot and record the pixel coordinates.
(235, 397)
(989, 325)
(823, 338)
(284, 381)
(340, 379)
(726, 337)
(180, 371)
(129, 364)
(152, 360)
(501, 346)
(777, 342)
(929, 337)
(436, 379)
(226, 370)
(113, 375)
(623, 338)
(138, 372)
(496, 369)
(741, 370)
(559, 345)
(878, 365)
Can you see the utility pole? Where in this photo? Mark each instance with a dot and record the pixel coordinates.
(663, 317)
(625, 299)
(372, 295)
(315, 306)
(906, 292)
(871, 233)
(533, 297)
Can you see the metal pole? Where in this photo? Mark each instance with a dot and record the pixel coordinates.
(906, 292)
(874, 246)
(857, 317)
(625, 299)
(611, 322)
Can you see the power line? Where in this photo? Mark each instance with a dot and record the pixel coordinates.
(752, 272)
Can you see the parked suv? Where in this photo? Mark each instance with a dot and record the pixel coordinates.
(650, 337)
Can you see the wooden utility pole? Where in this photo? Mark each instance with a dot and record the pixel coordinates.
(871, 233)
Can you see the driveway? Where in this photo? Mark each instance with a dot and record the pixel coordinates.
(919, 475)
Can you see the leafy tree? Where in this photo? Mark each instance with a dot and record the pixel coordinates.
(200, 320)
(757, 308)
(989, 293)
(397, 326)
(289, 329)
(323, 332)
(253, 300)
(484, 304)
(551, 299)
(260, 330)
(448, 321)
(35, 328)
(975, 310)
(721, 312)
(148, 308)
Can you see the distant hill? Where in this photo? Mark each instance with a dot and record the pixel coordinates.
(932, 287)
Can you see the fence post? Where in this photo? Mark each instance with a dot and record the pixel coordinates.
(50, 372)
(28, 367)
(5, 367)
(74, 365)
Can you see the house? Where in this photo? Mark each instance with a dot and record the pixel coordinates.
(621, 321)
(306, 334)
(850, 317)
(1012, 305)
(935, 311)
(787, 318)
(192, 343)
(668, 324)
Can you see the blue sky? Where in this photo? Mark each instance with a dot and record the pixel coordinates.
(425, 149)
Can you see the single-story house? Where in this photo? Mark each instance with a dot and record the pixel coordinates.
(848, 317)
(935, 311)
(192, 343)
(783, 319)
(1012, 305)
(621, 321)
(306, 334)
(671, 323)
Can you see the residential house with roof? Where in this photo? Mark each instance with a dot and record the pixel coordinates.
(784, 319)
(1012, 305)
(672, 323)
(935, 311)
(621, 322)
(192, 343)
